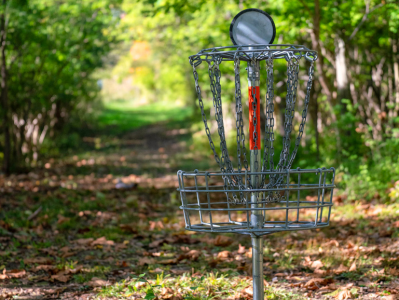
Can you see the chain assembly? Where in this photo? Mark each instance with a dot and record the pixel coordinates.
(234, 179)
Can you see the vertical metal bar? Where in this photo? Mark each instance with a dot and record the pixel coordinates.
(184, 200)
(228, 202)
(209, 199)
(331, 194)
(182, 196)
(198, 197)
(299, 195)
(322, 195)
(255, 164)
(257, 267)
(246, 199)
(287, 195)
(318, 198)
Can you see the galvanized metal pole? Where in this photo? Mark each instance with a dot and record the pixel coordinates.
(255, 163)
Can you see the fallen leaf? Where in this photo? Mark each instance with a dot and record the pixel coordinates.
(83, 241)
(156, 243)
(75, 270)
(146, 261)
(157, 270)
(223, 255)
(43, 267)
(120, 246)
(65, 249)
(393, 271)
(317, 264)
(53, 291)
(223, 241)
(241, 249)
(39, 260)
(122, 264)
(343, 295)
(68, 254)
(131, 228)
(50, 251)
(166, 293)
(225, 270)
(179, 271)
(97, 282)
(156, 225)
(353, 267)
(320, 272)
(14, 273)
(62, 219)
(316, 283)
(248, 269)
(61, 277)
(247, 292)
(341, 269)
(102, 241)
(248, 254)
(170, 261)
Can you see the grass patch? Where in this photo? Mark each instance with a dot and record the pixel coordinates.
(209, 286)
(124, 115)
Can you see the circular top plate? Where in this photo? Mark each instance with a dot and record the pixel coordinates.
(252, 26)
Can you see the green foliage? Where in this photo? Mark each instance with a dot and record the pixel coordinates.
(356, 123)
(52, 49)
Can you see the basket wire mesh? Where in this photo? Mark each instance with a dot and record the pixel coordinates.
(303, 206)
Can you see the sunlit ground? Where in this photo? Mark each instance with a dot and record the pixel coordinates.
(67, 231)
(76, 235)
(128, 115)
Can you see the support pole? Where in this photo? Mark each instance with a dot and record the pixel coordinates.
(255, 163)
(257, 267)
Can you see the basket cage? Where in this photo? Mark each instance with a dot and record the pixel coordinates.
(305, 203)
(286, 198)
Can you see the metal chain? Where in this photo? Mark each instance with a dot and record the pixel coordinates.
(304, 115)
(292, 85)
(224, 162)
(255, 134)
(195, 63)
(241, 149)
(268, 154)
(288, 165)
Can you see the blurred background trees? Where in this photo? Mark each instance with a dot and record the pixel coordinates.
(54, 53)
(49, 51)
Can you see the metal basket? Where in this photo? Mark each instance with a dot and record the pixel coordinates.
(306, 202)
(252, 194)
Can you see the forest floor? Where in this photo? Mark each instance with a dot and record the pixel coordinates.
(105, 224)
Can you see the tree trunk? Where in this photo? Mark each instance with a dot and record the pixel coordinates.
(396, 73)
(314, 111)
(4, 93)
(343, 91)
(322, 79)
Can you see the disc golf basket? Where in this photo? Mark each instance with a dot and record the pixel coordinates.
(251, 195)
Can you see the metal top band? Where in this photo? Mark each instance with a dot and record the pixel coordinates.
(256, 52)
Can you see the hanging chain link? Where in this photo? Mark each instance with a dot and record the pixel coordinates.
(292, 85)
(225, 162)
(233, 182)
(255, 134)
(285, 163)
(241, 149)
(304, 115)
(268, 154)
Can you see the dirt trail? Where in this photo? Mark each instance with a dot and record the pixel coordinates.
(67, 232)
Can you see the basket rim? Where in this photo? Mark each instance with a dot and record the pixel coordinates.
(267, 172)
(262, 51)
